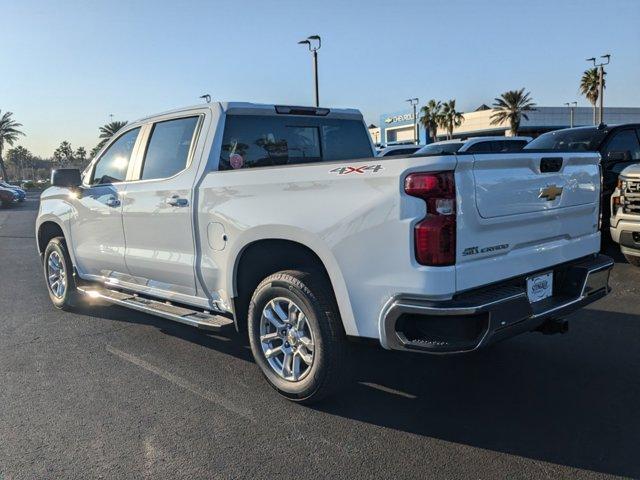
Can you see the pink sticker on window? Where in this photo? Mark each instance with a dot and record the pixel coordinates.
(236, 160)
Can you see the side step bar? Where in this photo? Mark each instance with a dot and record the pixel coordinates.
(194, 318)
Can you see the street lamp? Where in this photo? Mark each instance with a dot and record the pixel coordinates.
(314, 42)
(414, 103)
(571, 106)
(600, 67)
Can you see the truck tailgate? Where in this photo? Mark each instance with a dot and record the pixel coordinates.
(528, 211)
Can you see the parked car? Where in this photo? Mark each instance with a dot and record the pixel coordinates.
(275, 219)
(618, 146)
(475, 145)
(397, 150)
(7, 196)
(21, 195)
(625, 213)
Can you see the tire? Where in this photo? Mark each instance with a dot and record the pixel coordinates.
(312, 295)
(55, 255)
(633, 260)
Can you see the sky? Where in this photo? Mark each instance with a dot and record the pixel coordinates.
(65, 66)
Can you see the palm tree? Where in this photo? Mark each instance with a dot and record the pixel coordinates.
(450, 117)
(8, 133)
(510, 107)
(107, 131)
(589, 87)
(430, 117)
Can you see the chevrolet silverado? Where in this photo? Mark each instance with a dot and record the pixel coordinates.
(282, 222)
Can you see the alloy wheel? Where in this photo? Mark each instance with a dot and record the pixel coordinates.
(56, 275)
(286, 339)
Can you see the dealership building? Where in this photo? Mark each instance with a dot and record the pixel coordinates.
(398, 127)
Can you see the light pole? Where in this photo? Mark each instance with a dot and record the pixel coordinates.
(571, 106)
(600, 67)
(314, 42)
(414, 103)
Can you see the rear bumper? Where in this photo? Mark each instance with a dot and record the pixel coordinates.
(484, 316)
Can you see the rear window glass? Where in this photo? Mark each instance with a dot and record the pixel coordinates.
(576, 140)
(251, 141)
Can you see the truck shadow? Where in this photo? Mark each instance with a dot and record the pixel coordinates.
(572, 400)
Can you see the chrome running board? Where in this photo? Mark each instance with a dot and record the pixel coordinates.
(195, 318)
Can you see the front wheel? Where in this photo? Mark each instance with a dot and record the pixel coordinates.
(296, 335)
(58, 273)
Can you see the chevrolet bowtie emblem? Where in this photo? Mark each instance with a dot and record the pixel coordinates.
(550, 193)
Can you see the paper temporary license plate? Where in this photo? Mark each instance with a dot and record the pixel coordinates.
(540, 287)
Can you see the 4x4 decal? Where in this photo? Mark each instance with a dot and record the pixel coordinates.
(358, 170)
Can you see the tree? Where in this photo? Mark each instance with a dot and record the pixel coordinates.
(450, 117)
(63, 155)
(106, 132)
(430, 117)
(81, 157)
(17, 160)
(589, 87)
(510, 107)
(9, 133)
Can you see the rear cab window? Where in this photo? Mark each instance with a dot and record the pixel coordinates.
(252, 141)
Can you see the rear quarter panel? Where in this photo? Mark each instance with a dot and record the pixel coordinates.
(358, 224)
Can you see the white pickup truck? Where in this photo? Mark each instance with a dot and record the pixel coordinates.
(281, 221)
(625, 213)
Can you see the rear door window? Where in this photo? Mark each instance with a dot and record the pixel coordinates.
(251, 141)
(168, 148)
(480, 147)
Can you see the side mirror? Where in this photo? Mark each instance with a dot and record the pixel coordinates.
(66, 177)
(619, 156)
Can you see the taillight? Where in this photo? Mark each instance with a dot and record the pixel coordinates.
(435, 235)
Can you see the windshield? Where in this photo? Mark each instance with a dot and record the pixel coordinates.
(577, 140)
(440, 148)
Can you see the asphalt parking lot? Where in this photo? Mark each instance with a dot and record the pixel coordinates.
(112, 393)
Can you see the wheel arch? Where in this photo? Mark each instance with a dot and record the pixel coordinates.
(47, 230)
(262, 257)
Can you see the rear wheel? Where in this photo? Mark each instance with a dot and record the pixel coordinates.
(633, 260)
(58, 273)
(296, 335)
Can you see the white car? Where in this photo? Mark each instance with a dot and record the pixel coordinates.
(625, 214)
(278, 221)
(475, 145)
(398, 150)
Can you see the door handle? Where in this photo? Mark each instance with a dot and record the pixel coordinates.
(176, 201)
(113, 202)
